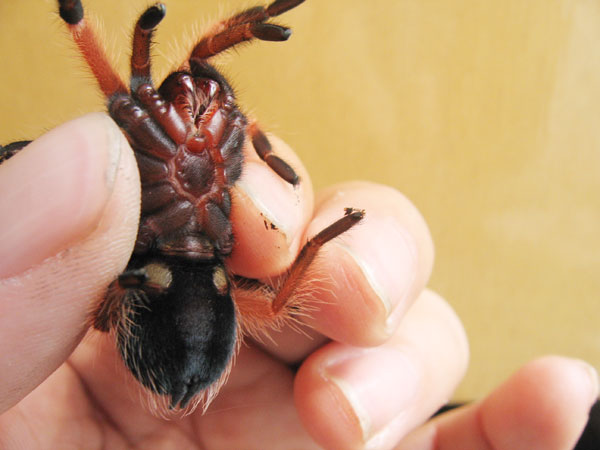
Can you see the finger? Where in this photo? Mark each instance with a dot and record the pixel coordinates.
(374, 271)
(350, 397)
(69, 214)
(268, 214)
(545, 405)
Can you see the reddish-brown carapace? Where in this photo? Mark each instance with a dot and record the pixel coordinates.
(173, 310)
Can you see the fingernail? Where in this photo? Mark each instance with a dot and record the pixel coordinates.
(392, 283)
(54, 191)
(375, 400)
(275, 199)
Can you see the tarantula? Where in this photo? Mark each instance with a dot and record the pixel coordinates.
(174, 310)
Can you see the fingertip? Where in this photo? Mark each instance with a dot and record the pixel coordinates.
(543, 405)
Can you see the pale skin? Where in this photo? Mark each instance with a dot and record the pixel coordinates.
(383, 354)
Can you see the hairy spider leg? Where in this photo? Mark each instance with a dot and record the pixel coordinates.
(71, 11)
(308, 253)
(142, 40)
(244, 26)
(250, 295)
(265, 152)
(107, 313)
(141, 84)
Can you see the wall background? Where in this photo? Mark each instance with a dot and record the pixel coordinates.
(486, 114)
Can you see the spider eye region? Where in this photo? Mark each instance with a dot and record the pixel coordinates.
(181, 340)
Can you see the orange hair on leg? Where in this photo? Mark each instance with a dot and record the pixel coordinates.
(93, 52)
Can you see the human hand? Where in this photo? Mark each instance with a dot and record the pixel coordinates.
(68, 220)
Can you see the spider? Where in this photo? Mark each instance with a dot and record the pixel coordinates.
(177, 313)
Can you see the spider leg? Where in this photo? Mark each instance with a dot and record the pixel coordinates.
(108, 312)
(71, 11)
(141, 84)
(142, 40)
(308, 253)
(243, 27)
(265, 152)
(144, 134)
(129, 288)
(9, 150)
(257, 314)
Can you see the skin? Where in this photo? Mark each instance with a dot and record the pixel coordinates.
(381, 355)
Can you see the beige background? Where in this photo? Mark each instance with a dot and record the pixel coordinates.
(485, 113)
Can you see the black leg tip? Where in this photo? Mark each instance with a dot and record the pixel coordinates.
(152, 16)
(356, 214)
(271, 32)
(71, 11)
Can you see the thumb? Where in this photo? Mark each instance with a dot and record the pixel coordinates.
(69, 207)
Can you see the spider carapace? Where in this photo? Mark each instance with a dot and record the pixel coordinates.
(174, 311)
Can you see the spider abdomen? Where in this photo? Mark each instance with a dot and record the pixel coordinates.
(183, 339)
